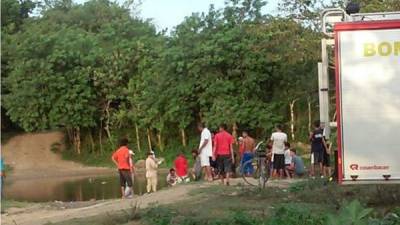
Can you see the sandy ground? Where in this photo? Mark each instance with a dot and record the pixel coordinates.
(31, 157)
(43, 213)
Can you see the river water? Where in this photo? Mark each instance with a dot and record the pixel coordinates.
(68, 189)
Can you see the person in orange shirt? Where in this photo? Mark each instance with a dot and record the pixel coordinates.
(122, 160)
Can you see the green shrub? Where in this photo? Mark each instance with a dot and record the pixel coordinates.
(295, 215)
(350, 214)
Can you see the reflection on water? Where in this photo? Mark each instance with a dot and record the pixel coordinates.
(73, 189)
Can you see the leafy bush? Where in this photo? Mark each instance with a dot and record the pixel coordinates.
(295, 215)
(350, 214)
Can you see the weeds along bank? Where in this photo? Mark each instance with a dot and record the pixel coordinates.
(305, 203)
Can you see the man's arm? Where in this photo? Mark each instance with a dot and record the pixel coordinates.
(271, 140)
(324, 143)
(205, 142)
(233, 156)
(214, 156)
(115, 161)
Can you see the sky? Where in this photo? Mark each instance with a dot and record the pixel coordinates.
(169, 13)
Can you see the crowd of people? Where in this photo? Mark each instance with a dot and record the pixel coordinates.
(215, 158)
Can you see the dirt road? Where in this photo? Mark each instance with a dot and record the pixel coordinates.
(30, 157)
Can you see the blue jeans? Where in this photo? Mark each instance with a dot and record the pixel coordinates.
(248, 169)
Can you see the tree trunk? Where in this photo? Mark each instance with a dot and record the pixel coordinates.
(107, 127)
(183, 134)
(159, 139)
(291, 105)
(137, 137)
(309, 114)
(70, 134)
(149, 139)
(234, 131)
(101, 137)
(92, 146)
(77, 140)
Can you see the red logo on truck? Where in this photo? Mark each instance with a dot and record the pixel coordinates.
(374, 167)
(354, 166)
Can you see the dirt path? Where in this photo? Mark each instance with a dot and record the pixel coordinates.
(39, 214)
(30, 156)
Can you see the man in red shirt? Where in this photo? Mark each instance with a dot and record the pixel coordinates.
(223, 152)
(122, 160)
(181, 167)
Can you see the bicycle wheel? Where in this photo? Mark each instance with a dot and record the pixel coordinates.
(254, 179)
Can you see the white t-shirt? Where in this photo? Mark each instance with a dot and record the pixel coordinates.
(278, 139)
(206, 135)
(288, 158)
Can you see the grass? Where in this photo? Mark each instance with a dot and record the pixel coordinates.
(104, 159)
(6, 204)
(311, 202)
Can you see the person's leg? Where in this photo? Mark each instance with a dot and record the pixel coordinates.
(312, 166)
(321, 169)
(209, 175)
(280, 173)
(149, 185)
(122, 183)
(228, 169)
(220, 165)
(129, 184)
(203, 169)
(287, 173)
(154, 183)
(281, 166)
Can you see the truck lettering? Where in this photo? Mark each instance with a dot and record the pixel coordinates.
(382, 48)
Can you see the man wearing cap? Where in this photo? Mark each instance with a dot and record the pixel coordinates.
(151, 172)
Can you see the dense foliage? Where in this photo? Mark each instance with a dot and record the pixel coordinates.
(99, 72)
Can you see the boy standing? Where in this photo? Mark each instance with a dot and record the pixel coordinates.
(249, 145)
(121, 159)
(205, 150)
(223, 153)
(318, 147)
(288, 159)
(278, 139)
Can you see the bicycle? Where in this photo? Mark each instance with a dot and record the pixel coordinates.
(261, 165)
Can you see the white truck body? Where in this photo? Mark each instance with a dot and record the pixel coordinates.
(368, 100)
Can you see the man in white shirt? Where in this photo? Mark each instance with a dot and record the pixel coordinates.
(205, 150)
(278, 139)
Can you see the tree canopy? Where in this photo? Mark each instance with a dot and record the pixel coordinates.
(97, 68)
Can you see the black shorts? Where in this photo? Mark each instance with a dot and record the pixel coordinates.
(213, 163)
(125, 177)
(279, 161)
(327, 160)
(224, 163)
(318, 157)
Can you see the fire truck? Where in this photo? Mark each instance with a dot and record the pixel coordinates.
(367, 91)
